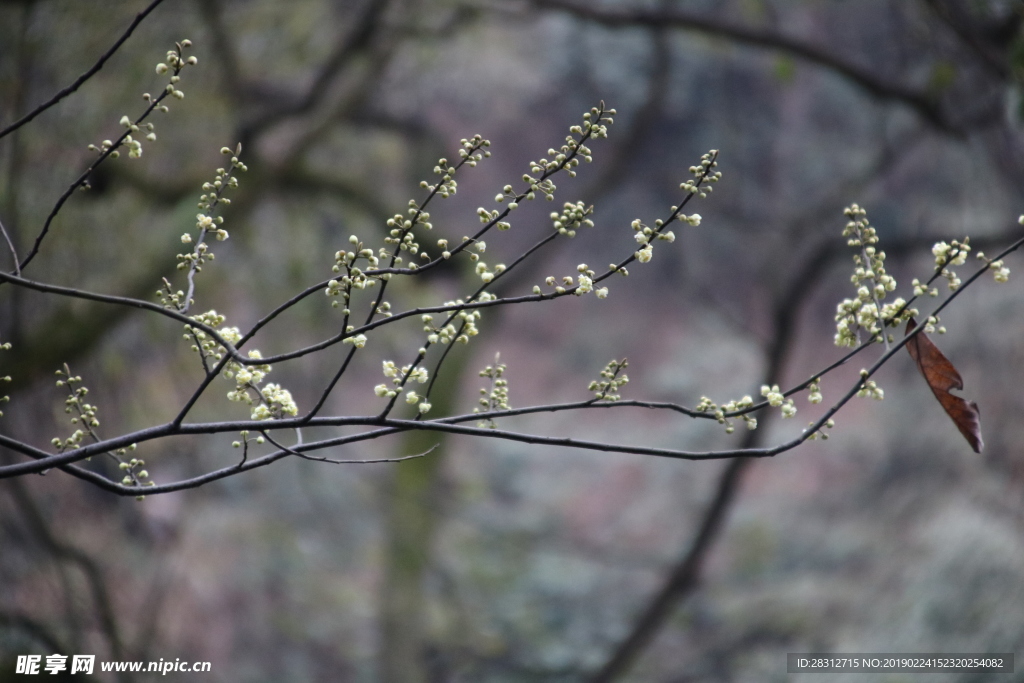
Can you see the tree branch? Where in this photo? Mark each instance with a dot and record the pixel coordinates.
(920, 102)
(85, 76)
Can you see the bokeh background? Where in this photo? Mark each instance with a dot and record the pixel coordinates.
(492, 561)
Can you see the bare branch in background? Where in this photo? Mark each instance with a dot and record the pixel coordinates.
(920, 101)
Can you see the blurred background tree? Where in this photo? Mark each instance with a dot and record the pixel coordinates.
(496, 561)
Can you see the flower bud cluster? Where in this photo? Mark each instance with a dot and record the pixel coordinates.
(245, 440)
(358, 340)
(567, 157)
(174, 300)
(447, 333)
(1002, 273)
(206, 223)
(922, 288)
(595, 125)
(486, 274)
(704, 172)
(706, 405)
(868, 311)
(204, 344)
(868, 388)
(276, 403)
(645, 235)
(399, 378)
(469, 153)
(269, 402)
(496, 398)
(572, 217)
(176, 61)
(612, 379)
(954, 254)
(777, 400)
(134, 470)
(354, 277)
(400, 232)
(931, 325)
(84, 413)
(829, 424)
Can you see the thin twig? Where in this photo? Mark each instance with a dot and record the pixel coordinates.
(333, 461)
(14, 252)
(85, 76)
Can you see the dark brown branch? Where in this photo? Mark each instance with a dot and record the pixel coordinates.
(227, 56)
(957, 20)
(352, 43)
(925, 106)
(94, 576)
(85, 76)
(134, 303)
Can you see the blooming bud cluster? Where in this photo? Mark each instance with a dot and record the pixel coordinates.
(612, 379)
(580, 284)
(868, 311)
(269, 402)
(706, 405)
(1002, 273)
(358, 340)
(399, 378)
(946, 255)
(644, 234)
(496, 398)
(276, 403)
(777, 400)
(704, 176)
(247, 379)
(586, 280)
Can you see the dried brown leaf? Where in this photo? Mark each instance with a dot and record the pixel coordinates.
(942, 376)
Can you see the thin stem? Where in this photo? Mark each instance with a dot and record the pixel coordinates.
(85, 76)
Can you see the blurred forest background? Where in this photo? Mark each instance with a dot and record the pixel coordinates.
(492, 561)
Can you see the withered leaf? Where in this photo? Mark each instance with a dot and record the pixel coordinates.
(941, 377)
